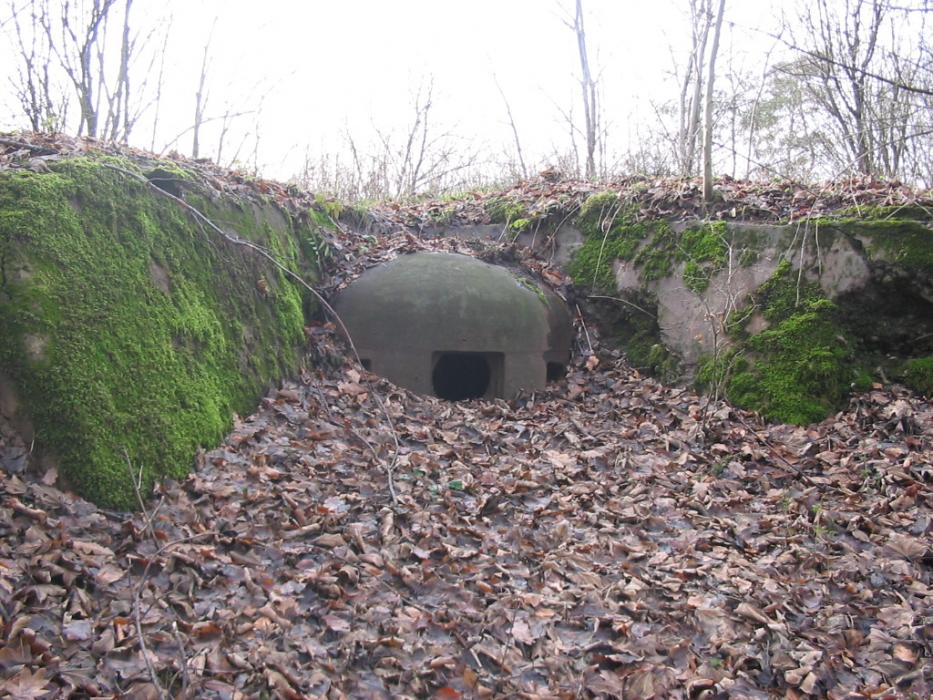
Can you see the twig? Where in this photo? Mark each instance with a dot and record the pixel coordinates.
(621, 301)
(607, 224)
(137, 592)
(585, 331)
(259, 250)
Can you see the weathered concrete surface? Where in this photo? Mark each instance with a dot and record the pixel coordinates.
(692, 323)
(843, 265)
(404, 316)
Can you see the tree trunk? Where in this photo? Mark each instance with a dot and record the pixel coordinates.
(708, 125)
(588, 86)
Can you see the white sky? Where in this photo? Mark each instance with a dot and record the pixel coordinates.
(326, 65)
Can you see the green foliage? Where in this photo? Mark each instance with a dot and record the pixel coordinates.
(330, 207)
(520, 225)
(443, 216)
(918, 375)
(153, 332)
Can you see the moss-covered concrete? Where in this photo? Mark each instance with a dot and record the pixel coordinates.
(801, 367)
(796, 315)
(130, 332)
(612, 233)
(654, 247)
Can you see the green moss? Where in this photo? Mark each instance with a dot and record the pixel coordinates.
(321, 218)
(705, 252)
(613, 233)
(638, 333)
(918, 375)
(599, 212)
(904, 242)
(592, 263)
(503, 210)
(799, 369)
(151, 332)
(655, 257)
(864, 213)
(534, 289)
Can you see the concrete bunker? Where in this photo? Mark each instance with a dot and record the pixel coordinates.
(456, 327)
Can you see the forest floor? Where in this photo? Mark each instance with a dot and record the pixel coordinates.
(607, 537)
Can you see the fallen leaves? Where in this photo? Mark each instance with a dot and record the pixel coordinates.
(579, 543)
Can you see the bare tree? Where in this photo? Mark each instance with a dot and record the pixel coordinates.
(160, 82)
(518, 143)
(708, 117)
(63, 47)
(588, 88)
(118, 118)
(842, 89)
(79, 35)
(44, 106)
(691, 89)
(200, 97)
(863, 92)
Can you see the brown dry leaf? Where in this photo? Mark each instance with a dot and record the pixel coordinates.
(330, 540)
(335, 623)
(109, 574)
(750, 611)
(906, 546)
(77, 631)
(26, 685)
(447, 693)
(522, 632)
(906, 652)
(204, 630)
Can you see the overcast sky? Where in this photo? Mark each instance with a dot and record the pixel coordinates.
(318, 67)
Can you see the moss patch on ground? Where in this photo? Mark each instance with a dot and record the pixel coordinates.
(132, 333)
(918, 375)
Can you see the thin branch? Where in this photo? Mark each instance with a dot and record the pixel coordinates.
(840, 64)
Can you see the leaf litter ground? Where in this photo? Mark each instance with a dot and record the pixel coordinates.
(581, 542)
(609, 537)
